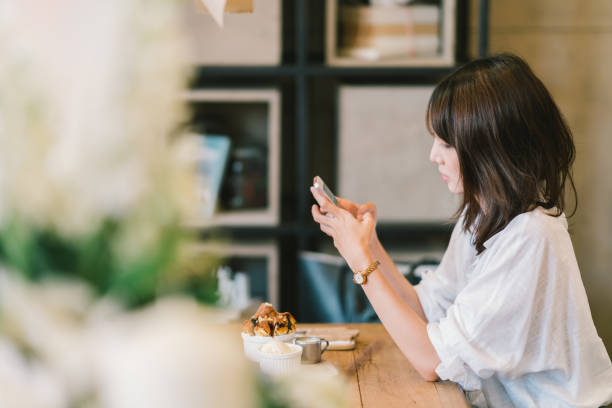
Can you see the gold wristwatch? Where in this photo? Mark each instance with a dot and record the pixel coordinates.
(361, 277)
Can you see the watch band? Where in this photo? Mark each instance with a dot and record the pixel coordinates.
(361, 277)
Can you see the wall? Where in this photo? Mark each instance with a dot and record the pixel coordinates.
(569, 46)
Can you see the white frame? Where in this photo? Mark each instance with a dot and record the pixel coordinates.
(269, 216)
(447, 58)
(268, 250)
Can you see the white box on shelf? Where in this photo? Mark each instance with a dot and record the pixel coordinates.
(266, 251)
(266, 130)
(383, 154)
(245, 39)
(378, 32)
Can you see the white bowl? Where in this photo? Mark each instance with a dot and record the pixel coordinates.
(252, 343)
(280, 364)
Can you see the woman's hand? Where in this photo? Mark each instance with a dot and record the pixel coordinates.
(351, 227)
(358, 211)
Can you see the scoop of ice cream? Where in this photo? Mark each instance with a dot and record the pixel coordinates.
(275, 347)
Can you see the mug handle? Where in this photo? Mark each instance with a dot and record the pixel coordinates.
(326, 345)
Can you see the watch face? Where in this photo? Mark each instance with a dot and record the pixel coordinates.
(358, 278)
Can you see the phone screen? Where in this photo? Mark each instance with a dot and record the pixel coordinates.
(318, 182)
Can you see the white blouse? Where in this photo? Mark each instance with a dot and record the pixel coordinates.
(512, 325)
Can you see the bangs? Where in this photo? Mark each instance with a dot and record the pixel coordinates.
(439, 112)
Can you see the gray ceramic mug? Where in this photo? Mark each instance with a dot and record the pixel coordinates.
(311, 348)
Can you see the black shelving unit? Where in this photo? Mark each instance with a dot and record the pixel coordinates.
(310, 145)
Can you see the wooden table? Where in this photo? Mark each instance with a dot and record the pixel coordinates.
(386, 378)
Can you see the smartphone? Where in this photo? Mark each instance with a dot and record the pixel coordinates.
(318, 182)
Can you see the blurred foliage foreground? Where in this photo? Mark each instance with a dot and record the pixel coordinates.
(102, 296)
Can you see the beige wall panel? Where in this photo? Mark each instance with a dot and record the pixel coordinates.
(575, 68)
(245, 39)
(550, 13)
(539, 16)
(384, 154)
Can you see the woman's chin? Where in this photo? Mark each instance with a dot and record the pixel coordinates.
(453, 188)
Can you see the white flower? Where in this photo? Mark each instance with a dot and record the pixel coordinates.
(312, 386)
(90, 97)
(27, 385)
(171, 355)
(48, 318)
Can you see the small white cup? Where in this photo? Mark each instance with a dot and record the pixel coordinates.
(252, 343)
(280, 364)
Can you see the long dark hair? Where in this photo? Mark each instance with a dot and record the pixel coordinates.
(515, 149)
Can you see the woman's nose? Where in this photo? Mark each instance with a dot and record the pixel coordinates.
(434, 155)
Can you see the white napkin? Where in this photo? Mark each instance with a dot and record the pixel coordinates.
(340, 338)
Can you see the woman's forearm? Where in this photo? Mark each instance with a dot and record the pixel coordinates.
(396, 280)
(398, 308)
(408, 330)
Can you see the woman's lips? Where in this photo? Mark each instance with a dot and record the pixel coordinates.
(445, 178)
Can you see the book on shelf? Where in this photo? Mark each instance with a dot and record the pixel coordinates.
(375, 32)
(212, 158)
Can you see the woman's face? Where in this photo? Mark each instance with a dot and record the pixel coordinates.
(445, 156)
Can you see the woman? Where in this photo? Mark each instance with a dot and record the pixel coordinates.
(505, 314)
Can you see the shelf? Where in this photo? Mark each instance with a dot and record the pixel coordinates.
(392, 36)
(305, 69)
(244, 231)
(401, 229)
(251, 183)
(245, 71)
(321, 70)
(407, 233)
(369, 71)
(260, 261)
(249, 38)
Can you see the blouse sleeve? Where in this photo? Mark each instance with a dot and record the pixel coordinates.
(438, 288)
(485, 331)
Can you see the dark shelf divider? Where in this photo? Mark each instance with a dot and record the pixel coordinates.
(320, 70)
(483, 28)
(291, 280)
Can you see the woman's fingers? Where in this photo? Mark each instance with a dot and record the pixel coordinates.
(324, 203)
(323, 221)
(319, 217)
(348, 205)
(327, 230)
(367, 208)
